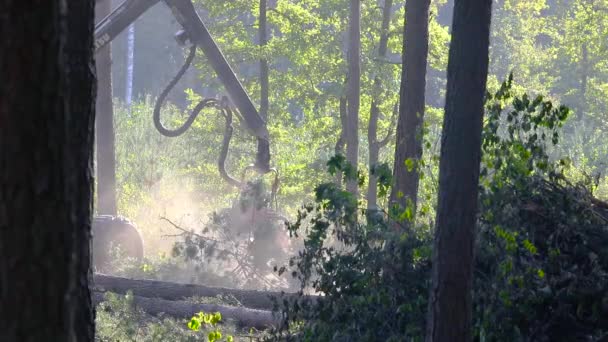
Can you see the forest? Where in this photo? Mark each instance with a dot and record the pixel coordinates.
(304, 170)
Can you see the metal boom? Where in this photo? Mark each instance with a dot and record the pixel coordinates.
(183, 10)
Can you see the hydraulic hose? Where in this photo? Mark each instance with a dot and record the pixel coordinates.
(163, 95)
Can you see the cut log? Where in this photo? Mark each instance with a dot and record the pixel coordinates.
(176, 291)
(242, 317)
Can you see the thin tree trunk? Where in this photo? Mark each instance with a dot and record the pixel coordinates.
(353, 88)
(263, 63)
(374, 113)
(584, 80)
(106, 159)
(339, 149)
(411, 106)
(46, 133)
(374, 152)
(450, 304)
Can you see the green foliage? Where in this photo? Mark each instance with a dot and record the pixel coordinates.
(338, 164)
(119, 320)
(203, 319)
(541, 264)
(539, 227)
(558, 48)
(307, 76)
(384, 174)
(538, 274)
(515, 145)
(361, 276)
(542, 40)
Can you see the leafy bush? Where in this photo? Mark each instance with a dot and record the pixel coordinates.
(542, 262)
(373, 291)
(542, 265)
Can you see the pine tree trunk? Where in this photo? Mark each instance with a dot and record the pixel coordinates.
(374, 113)
(106, 158)
(411, 105)
(46, 135)
(353, 88)
(450, 305)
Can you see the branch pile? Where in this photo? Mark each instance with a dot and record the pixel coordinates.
(542, 260)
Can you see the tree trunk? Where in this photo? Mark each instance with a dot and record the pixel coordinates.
(339, 149)
(46, 133)
(374, 113)
(450, 304)
(374, 152)
(176, 291)
(78, 155)
(584, 81)
(106, 159)
(263, 63)
(354, 80)
(244, 317)
(408, 148)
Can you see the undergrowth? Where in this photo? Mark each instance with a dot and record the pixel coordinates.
(118, 319)
(541, 261)
(542, 267)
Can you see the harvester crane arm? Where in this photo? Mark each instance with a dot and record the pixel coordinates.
(195, 31)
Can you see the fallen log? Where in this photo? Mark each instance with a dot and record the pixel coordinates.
(242, 317)
(176, 291)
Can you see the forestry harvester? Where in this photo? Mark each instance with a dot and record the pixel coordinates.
(108, 229)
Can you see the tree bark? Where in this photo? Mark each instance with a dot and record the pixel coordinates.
(339, 149)
(80, 119)
(353, 88)
(46, 134)
(263, 63)
(450, 304)
(374, 113)
(106, 158)
(584, 80)
(244, 317)
(176, 291)
(411, 106)
(374, 152)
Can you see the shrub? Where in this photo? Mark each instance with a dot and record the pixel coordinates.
(541, 262)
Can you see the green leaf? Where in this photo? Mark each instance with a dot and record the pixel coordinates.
(194, 324)
(530, 247)
(541, 273)
(409, 164)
